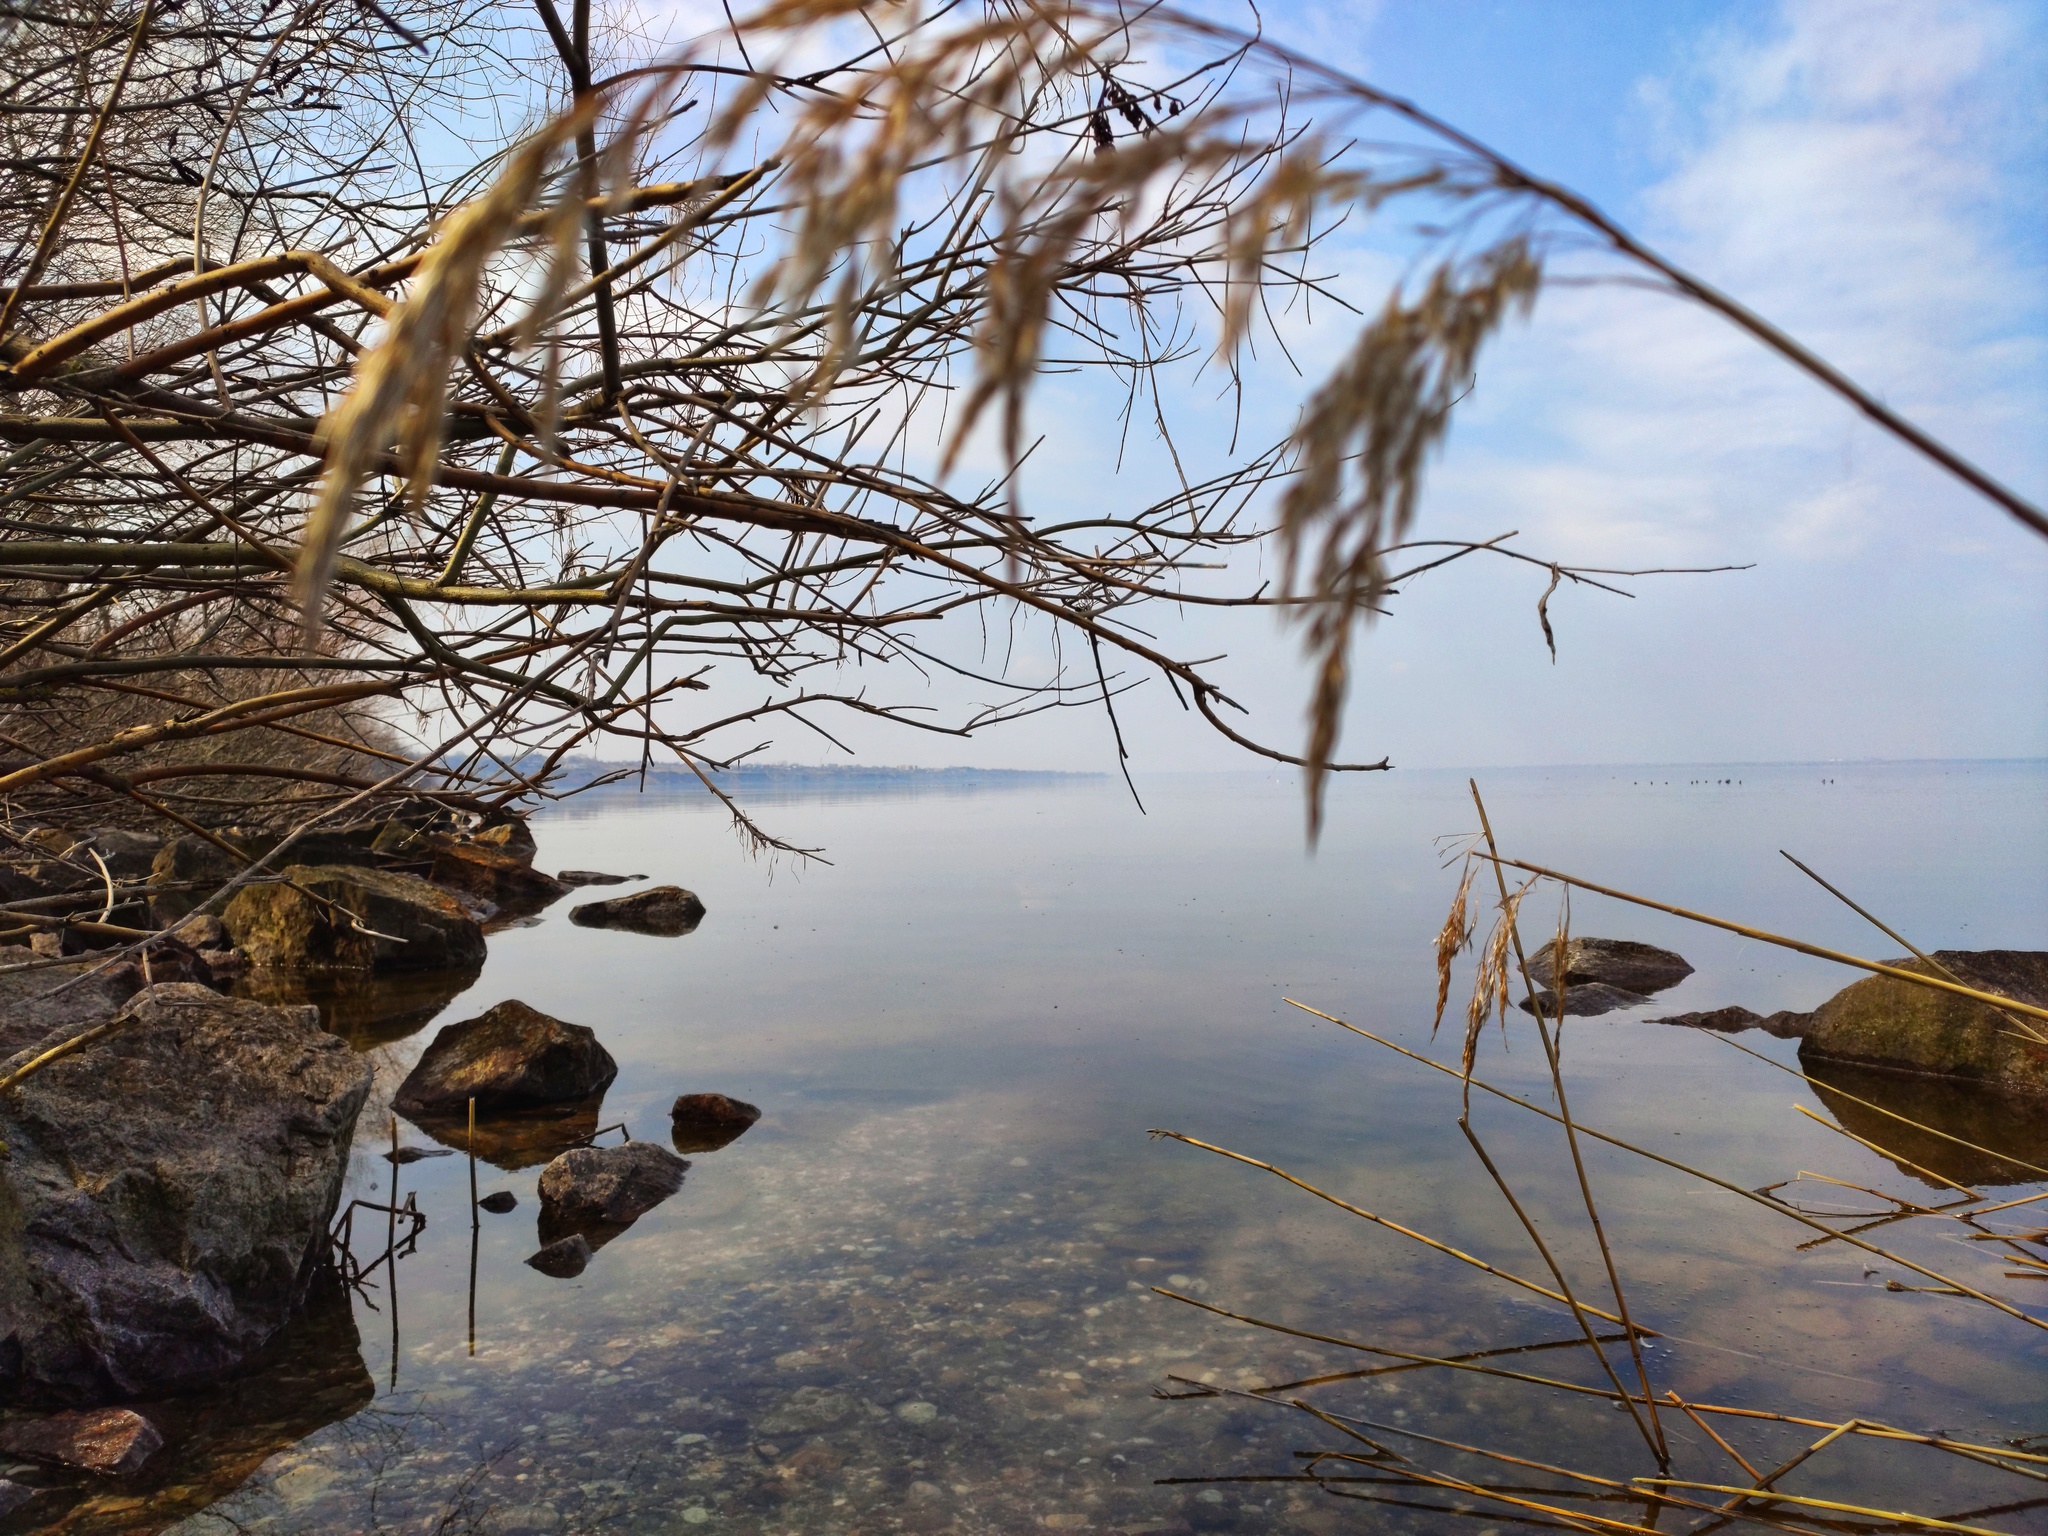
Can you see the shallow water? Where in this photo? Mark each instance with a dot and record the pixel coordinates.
(917, 1295)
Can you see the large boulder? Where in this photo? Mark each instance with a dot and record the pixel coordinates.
(192, 867)
(167, 1195)
(32, 1004)
(667, 911)
(599, 1191)
(350, 918)
(1622, 963)
(512, 1057)
(1882, 1021)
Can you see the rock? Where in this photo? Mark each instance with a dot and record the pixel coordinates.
(416, 1154)
(511, 836)
(128, 855)
(54, 840)
(112, 1442)
(168, 1194)
(1622, 963)
(594, 877)
(1881, 1021)
(499, 1201)
(667, 911)
(203, 933)
(489, 874)
(704, 1122)
(222, 965)
(805, 1411)
(588, 1188)
(31, 1007)
(299, 925)
(565, 1258)
(511, 1057)
(13, 1496)
(1584, 1001)
(1730, 1021)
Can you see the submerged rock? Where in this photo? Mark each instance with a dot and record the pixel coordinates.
(1621, 963)
(1882, 1021)
(1731, 1021)
(511, 1057)
(167, 1195)
(565, 1258)
(498, 1202)
(594, 877)
(591, 1188)
(667, 911)
(704, 1122)
(111, 1442)
(400, 922)
(1595, 997)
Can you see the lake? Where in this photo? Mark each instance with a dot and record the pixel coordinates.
(918, 1295)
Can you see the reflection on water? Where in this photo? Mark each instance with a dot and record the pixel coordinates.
(2008, 1133)
(519, 1139)
(917, 1295)
(366, 1009)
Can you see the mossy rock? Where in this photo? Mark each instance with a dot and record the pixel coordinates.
(303, 923)
(1882, 1021)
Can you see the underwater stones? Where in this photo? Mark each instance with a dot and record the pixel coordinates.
(704, 1122)
(510, 1057)
(593, 877)
(1584, 1001)
(1883, 1021)
(160, 1246)
(1620, 963)
(588, 1188)
(666, 911)
(563, 1259)
(807, 1410)
(353, 918)
(111, 1442)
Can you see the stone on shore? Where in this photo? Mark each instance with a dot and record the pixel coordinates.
(110, 1442)
(667, 911)
(1593, 998)
(1622, 963)
(704, 1122)
(168, 1192)
(591, 1188)
(400, 922)
(1882, 1021)
(511, 1057)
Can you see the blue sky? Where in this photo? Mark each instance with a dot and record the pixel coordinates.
(1867, 173)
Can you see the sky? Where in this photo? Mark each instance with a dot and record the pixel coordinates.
(1866, 174)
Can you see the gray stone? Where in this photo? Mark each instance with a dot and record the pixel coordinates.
(13, 1496)
(400, 922)
(805, 1411)
(167, 1195)
(128, 855)
(31, 1006)
(589, 1187)
(511, 1057)
(1621, 963)
(667, 911)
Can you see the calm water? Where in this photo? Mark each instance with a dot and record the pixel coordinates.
(916, 1295)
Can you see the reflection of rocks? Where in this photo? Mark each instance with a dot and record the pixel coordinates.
(365, 1008)
(667, 911)
(704, 1122)
(169, 1188)
(519, 1139)
(1621, 963)
(511, 1057)
(563, 1259)
(348, 918)
(311, 1375)
(109, 1442)
(1584, 1002)
(2007, 1132)
(590, 1189)
(1732, 1021)
(1882, 1021)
